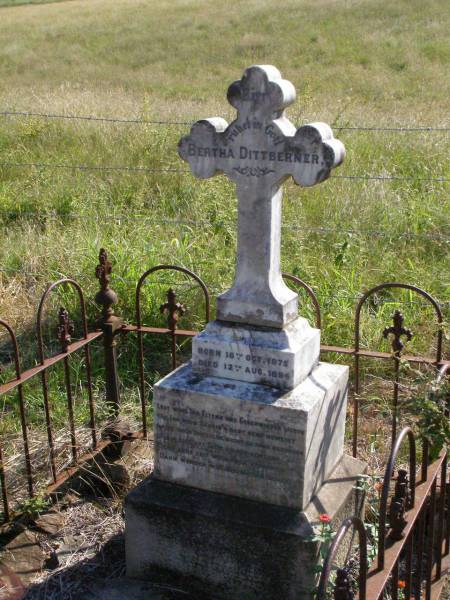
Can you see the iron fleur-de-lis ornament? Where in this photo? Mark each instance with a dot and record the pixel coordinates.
(65, 329)
(397, 331)
(173, 309)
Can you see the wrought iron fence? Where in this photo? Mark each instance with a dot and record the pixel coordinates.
(413, 506)
(413, 536)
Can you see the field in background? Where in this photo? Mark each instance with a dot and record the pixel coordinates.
(22, 2)
(353, 63)
(71, 186)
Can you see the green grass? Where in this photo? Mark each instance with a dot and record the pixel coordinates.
(23, 2)
(356, 62)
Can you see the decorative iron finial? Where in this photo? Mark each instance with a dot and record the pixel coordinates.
(343, 588)
(65, 329)
(173, 309)
(106, 297)
(399, 504)
(103, 269)
(402, 486)
(397, 331)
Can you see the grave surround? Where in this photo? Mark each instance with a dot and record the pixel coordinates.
(250, 433)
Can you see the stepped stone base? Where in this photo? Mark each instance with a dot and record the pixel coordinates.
(217, 546)
(250, 440)
(281, 358)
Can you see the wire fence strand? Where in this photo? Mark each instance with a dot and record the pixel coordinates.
(323, 300)
(136, 218)
(186, 171)
(13, 113)
(9, 113)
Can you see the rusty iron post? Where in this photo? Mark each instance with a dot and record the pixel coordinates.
(110, 325)
(397, 331)
(400, 503)
(65, 331)
(342, 588)
(174, 310)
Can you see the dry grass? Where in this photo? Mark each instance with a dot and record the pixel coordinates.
(89, 546)
(366, 62)
(96, 56)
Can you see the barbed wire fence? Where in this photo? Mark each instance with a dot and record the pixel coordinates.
(137, 169)
(400, 128)
(324, 300)
(187, 172)
(139, 217)
(424, 129)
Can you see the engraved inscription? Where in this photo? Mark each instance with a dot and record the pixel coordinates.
(235, 445)
(253, 172)
(245, 153)
(249, 363)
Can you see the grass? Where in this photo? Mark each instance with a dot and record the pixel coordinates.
(22, 2)
(356, 62)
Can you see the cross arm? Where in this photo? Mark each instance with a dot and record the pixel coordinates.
(320, 150)
(204, 147)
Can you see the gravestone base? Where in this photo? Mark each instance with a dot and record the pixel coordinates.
(281, 358)
(218, 546)
(250, 440)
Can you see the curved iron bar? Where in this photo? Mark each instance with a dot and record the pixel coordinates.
(170, 268)
(46, 294)
(442, 373)
(357, 524)
(139, 325)
(23, 416)
(361, 302)
(13, 340)
(406, 432)
(310, 293)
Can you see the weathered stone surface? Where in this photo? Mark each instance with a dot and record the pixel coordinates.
(225, 547)
(132, 589)
(50, 522)
(23, 556)
(11, 586)
(250, 440)
(258, 151)
(279, 358)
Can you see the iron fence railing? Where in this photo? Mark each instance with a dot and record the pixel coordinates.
(406, 515)
(413, 537)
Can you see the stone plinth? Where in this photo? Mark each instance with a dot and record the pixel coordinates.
(218, 546)
(250, 440)
(279, 358)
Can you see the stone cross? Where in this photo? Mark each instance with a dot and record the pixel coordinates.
(258, 151)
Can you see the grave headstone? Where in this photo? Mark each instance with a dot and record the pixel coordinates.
(250, 434)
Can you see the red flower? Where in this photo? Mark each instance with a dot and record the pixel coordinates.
(325, 518)
(401, 584)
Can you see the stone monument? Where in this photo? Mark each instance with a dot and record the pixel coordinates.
(249, 435)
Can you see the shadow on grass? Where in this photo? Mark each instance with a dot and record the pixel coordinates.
(100, 577)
